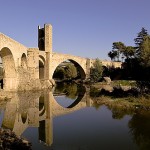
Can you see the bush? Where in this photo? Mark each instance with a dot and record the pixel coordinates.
(96, 71)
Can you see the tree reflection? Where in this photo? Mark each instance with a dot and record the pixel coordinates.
(119, 112)
(140, 128)
(71, 90)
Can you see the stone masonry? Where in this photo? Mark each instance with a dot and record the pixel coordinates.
(33, 68)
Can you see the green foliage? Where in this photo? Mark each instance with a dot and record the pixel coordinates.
(71, 91)
(70, 71)
(136, 63)
(67, 72)
(94, 92)
(96, 71)
(119, 46)
(128, 52)
(139, 39)
(117, 49)
(112, 54)
(144, 86)
(124, 83)
(139, 127)
(145, 52)
(121, 51)
(59, 73)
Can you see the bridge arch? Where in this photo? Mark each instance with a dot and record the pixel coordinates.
(9, 71)
(80, 70)
(72, 91)
(52, 106)
(80, 96)
(58, 58)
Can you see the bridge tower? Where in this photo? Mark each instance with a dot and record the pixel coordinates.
(45, 44)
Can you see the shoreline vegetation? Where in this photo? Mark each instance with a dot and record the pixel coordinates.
(125, 95)
(119, 94)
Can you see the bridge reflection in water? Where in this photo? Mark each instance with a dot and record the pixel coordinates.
(38, 110)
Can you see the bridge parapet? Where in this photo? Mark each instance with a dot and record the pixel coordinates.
(16, 48)
(107, 63)
(111, 64)
(68, 55)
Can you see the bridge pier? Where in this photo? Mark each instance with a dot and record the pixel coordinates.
(48, 66)
(10, 84)
(88, 66)
(46, 125)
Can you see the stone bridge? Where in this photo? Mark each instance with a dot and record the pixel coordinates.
(33, 110)
(27, 68)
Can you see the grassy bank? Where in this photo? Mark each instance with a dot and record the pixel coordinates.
(120, 95)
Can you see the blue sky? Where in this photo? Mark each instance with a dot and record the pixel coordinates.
(85, 28)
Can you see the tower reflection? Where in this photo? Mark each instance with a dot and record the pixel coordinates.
(36, 109)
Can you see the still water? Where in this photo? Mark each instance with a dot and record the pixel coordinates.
(69, 120)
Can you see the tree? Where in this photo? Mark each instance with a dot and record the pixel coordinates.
(145, 52)
(139, 39)
(119, 48)
(112, 54)
(71, 91)
(137, 59)
(70, 71)
(96, 71)
(128, 52)
(59, 73)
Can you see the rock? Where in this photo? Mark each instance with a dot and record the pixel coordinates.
(8, 140)
(125, 88)
(108, 88)
(107, 80)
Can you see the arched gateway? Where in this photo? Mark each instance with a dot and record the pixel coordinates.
(28, 68)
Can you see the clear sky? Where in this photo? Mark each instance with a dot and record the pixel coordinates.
(85, 28)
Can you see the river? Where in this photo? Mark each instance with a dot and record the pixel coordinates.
(68, 119)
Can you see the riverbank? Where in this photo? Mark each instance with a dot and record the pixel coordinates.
(9, 140)
(124, 103)
(125, 97)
